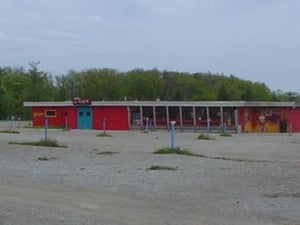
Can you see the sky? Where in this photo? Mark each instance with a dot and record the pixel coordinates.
(256, 40)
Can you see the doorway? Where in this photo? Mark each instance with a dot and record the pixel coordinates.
(84, 118)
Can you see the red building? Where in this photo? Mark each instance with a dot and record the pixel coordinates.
(235, 116)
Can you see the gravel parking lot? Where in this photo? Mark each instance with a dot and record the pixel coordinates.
(245, 179)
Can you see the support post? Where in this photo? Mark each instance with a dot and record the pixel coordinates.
(207, 120)
(11, 122)
(104, 125)
(222, 120)
(154, 117)
(66, 123)
(180, 118)
(194, 119)
(172, 146)
(141, 117)
(46, 128)
(168, 117)
(129, 117)
(147, 125)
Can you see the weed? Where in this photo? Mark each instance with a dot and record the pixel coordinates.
(107, 153)
(9, 131)
(225, 134)
(47, 143)
(104, 135)
(45, 158)
(205, 137)
(162, 168)
(283, 195)
(177, 151)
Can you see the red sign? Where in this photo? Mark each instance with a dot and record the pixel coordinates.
(80, 101)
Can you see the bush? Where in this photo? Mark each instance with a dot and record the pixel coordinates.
(177, 151)
(9, 131)
(225, 134)
(205, 137)
(162, 168)
(48, 143)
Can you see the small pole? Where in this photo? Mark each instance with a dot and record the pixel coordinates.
(46, 128)
(147, 125)
(208, 126)
(11, 122)
(199, 119)
(104, 125)
(172, 134)
(66, 122)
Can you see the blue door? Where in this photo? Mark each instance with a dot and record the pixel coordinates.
(84, 118)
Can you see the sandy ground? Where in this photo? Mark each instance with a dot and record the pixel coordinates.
(249, 179)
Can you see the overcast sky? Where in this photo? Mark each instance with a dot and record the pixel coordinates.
(257, 40)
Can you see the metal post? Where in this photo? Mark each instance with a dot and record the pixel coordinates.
(154, 117)
(129, 117)
(66, 122)
(147, 125)
(208, 120)
(168, 117)
(141, 117)
(46, 128)
(194, 118)
(172, 134)
(180, 118)
(208, 126)
(223, 128)
(11, 123)
(104, 125)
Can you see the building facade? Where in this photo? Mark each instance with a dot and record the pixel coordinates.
(210, 116)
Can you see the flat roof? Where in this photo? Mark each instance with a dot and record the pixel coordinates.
(168, 103)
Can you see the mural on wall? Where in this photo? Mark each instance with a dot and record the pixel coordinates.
(272, 120)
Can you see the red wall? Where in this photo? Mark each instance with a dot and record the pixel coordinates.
(62, 115)
(294, 119)
(116, 117)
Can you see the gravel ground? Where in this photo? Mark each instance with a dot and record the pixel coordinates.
(247, 179)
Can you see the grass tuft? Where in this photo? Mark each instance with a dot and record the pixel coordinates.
(205, 137)
(9, 131)
(162, 168)
(225, 134)
(107, 153)
(283, 195)
(104, 135)
(45, 158)
(177, 151)
(47, 143)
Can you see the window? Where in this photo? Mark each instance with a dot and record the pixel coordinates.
(50, 113)
(88, 114)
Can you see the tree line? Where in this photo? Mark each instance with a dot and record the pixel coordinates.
(18, 85)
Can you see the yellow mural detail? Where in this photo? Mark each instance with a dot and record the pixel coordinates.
(266, 120)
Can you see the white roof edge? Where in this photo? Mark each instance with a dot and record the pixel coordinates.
(43, 104)
(168, 103)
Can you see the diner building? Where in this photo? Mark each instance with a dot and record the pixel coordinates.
(209, 116)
